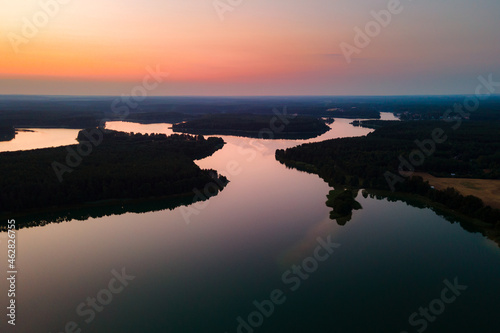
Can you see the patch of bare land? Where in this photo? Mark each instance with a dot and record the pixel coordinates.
(487, 190)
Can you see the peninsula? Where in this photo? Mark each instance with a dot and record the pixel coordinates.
(266, 126)
(106, 167)
(394, 156)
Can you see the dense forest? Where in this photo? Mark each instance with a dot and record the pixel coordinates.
(471, 151)
(358, 112)
(373, 124)
(7, 133)
(151, 117)
(81, 112)
(121, 166)
(53, 119)
(278, 126)
(343, 202)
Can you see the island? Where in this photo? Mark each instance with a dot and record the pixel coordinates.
(392, 159)
(272, 126)
(373, 124)
(106, 168)
(354, 112)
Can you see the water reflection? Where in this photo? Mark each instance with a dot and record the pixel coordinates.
(492, 232)
(128, 127)
(36, 138)
(200, 277)
(388, 116)
(342, 202)
(105, 209)
(250, 155)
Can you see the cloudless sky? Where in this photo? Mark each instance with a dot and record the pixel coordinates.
(262, 47)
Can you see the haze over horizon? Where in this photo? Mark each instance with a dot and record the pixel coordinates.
(258, 48)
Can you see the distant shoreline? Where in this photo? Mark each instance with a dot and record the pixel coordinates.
(265, 126)
(248, 134)
(111, 206)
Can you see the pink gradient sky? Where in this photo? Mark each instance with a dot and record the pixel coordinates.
(261, 47)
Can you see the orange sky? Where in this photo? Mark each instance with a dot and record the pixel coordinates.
(284, 47)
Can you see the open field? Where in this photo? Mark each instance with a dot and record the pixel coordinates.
(487, 190)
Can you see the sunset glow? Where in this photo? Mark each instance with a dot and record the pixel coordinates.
(259, 48)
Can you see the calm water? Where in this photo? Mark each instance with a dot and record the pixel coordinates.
(201, 268)
(35, 138)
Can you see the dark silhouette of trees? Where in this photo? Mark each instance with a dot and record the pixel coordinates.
(123, 166)
(254, 125)
(470, 152)
(7, 133)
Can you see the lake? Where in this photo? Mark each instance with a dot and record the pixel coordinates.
(261, 256)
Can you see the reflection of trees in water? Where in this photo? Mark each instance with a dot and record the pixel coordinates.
(343, 203)
(117, 208)
(467, 223)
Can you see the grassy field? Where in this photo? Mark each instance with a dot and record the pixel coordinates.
(487, 190)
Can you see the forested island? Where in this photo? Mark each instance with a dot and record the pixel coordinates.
(373, 162)
(363, 112)
(280, 126)
(105, 169)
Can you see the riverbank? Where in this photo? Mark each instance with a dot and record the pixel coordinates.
(273, 126)
(374, 162)
(468, 223)
(98, 209)
(106, 168)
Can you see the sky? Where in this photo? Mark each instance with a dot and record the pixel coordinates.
(247, 47)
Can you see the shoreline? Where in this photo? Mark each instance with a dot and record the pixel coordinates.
(488, 230)
(467, 186)
(26, 218)
(251, 134)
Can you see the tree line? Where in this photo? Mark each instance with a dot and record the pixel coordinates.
(123, 166)
(472, 151)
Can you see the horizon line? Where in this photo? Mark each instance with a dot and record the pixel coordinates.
(245, 96)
